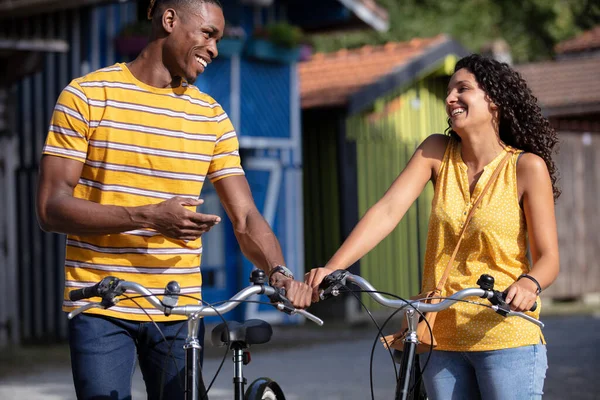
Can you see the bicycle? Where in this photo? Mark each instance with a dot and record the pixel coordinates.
(237, 336)
(337, 280)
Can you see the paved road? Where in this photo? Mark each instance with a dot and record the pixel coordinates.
(335, 371)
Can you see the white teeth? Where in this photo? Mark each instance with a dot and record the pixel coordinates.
(201, 61)
(457, 111)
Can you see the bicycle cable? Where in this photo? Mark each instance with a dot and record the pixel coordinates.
(170, 343)
(227, 332)
(380, 334)
(380, 331)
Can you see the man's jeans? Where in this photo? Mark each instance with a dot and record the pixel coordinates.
(508, 374)
(104, 350)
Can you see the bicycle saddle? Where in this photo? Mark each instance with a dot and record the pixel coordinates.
(252, 331)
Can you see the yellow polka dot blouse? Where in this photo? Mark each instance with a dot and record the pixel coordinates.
(495, 243)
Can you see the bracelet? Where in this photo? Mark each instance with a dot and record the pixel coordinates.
(282, 269)
(531, 278)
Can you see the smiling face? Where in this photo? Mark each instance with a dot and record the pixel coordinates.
(467, 105)
(192, 39)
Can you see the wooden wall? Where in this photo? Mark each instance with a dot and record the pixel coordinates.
(578, 215)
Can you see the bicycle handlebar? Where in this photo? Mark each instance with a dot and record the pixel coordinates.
(334, 281)
(109, 288)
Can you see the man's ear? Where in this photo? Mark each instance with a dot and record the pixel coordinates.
(168, 20)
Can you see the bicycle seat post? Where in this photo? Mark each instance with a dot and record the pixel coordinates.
(192, 348)
(240, 358)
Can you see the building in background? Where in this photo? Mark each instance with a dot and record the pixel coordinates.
(256, 82)
(568, 91)
(364, 112)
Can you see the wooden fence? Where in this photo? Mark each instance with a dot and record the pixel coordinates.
(578, 216)
(8, 244)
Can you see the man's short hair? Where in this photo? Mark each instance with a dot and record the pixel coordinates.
(162, 4)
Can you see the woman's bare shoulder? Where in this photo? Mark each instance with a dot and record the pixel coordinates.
(434, 146)
(531, 165)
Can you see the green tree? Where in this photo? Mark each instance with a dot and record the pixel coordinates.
(530, 27)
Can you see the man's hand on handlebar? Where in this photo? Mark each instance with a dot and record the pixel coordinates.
(297, 292)
(313, 279)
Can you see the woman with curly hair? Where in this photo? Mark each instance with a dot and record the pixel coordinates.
(494, 124)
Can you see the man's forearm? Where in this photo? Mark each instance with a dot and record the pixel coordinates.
(258, 242)
(70, 215)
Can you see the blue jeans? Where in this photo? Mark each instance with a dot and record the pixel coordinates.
(103, 357)
(508, 374)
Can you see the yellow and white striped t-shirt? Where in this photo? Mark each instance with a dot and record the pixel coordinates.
(139, 145)
(494, 243)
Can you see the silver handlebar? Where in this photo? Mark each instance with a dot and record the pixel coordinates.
(425, 307)
(200, 309)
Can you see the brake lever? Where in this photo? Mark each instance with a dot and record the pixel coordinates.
(283, 303)
(81, 309)
(331, 284)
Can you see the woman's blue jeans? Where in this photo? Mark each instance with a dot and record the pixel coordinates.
(508, 374)
(104, 352)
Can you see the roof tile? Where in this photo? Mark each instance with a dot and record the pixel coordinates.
(330, 79)
(586, 41)
(564, 83)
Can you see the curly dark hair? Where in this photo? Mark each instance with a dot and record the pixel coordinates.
(520, 119)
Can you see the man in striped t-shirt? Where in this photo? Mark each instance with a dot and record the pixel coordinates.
(127, 153)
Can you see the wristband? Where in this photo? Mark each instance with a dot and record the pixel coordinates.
(531, 278)
(282, 270)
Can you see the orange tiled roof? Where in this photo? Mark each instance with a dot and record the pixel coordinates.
(330, 79)
(586, 41)
(564, 83)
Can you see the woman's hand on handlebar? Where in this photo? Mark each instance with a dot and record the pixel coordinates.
(521, 295)
(314, 277)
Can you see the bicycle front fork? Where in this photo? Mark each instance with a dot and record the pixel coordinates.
(194, 386)
(408, 356)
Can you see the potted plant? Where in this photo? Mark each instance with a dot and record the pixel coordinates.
(133, 38)
(232, 42)
(277, 42)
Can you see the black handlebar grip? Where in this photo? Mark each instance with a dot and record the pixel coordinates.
(84, 293)
(533, 307)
